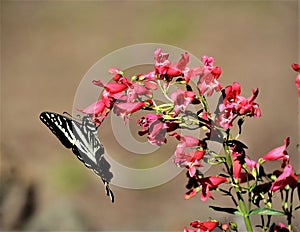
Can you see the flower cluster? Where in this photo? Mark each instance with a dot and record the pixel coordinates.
(242, 179)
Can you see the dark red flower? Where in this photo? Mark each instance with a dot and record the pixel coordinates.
(284, 179)
(296, 67)
(204, 226)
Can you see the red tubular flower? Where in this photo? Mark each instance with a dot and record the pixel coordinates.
(124, 108)
(182, 99)
(297, 82)
(111, 87)
(157, 133)
(117, 73)
(296, 67)
(236, 164)
(189, 160)
(278, 153)
(208, 77)
(234, 104)
(204, 226)
(187, 141)
(156, 128)
(209, 183)
(95, 108)
(136, 90)
(284, 179)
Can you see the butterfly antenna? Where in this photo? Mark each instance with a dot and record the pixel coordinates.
(65, 112)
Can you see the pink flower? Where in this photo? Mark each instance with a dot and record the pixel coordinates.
(111, 87)
(285, 178)
(251, 164)
(156, 128)
(117, 73)
(297, 82)
(279, 228)
(190, 160)
(296, 67)
(123, 109)
(209, 183)
(187, 141)
(236, 105)
(182, 99)
(204, 226)
(163, 66)
(95, 108)
(136, 90)
(225, 117)
(278, 153)
(237, 162)
(208, 77)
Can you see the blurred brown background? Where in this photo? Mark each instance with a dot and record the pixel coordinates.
(47, 47)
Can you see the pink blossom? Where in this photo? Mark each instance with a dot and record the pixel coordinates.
(186, 140)
(111, 87)
(285, 178)
(156, 128)
(296, 67)
(278, 153)
(236, 105)
(209, 183)
(237, 163)
(117, 73)
(251, 163)
(208, 77)
(182, 99)
(136, 90)
(123, 109)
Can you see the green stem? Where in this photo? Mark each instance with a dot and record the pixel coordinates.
(289, 219)
(244, 212)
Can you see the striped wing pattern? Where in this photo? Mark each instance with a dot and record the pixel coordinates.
(82, 139)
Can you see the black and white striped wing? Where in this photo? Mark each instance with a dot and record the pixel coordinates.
(82, 139)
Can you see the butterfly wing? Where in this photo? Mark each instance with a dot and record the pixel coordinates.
(81, 138)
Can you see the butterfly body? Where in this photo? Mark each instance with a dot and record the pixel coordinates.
(82, 139)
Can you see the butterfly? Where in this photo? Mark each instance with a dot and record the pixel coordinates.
(82, 139)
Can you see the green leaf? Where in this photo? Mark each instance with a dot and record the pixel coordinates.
(226, 210)
(266, 211)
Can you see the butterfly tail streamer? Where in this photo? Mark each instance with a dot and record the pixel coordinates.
(109, 192)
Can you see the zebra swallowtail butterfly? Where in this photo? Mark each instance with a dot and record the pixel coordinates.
(82, 139)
